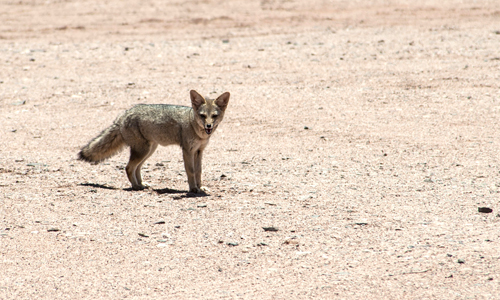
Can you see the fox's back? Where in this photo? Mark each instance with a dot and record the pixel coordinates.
(161, 123)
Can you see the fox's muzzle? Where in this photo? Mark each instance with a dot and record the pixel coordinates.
(209, 128)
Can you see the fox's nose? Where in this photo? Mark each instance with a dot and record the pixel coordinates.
(209, 126)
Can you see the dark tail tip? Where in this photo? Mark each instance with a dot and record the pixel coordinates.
(82, 156)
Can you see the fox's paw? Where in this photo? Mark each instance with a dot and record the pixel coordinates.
(141, 187)
(199, 190)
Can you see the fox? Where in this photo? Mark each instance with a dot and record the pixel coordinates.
(145, 126)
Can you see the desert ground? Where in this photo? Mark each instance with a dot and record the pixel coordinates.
(362, 135)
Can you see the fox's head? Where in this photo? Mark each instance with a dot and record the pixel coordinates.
(208, 113)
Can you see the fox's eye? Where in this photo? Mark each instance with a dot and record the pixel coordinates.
(214, 116)
(203, 115)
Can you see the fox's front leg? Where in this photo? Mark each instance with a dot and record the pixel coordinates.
(189, 165)
(197, 169)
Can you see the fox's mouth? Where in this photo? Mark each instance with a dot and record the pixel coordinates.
(209, 130)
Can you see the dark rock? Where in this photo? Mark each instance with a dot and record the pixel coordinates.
(270, 228)
(485, 210)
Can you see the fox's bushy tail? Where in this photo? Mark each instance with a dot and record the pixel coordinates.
(106, 144)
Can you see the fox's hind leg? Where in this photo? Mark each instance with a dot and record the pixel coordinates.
(138, 154)
(138, 169)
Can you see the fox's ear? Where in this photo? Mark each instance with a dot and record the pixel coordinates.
(196, 99)
(222, 101)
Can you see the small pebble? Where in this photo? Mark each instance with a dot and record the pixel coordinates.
(461, 261)
(53, 229)
(143, 235)
(20, 102)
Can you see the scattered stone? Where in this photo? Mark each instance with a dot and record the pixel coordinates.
(449, 255)
(461, 261)
(361, 223)
(161, 240)
(53, 229)
(17, 103)
(159, 222)
(342, 273)
(291, 242)
(143, 235)
(35, 165)
(270, 228)
(270, 203)
(202, 205)
(306, 128)
(485, 210)
(451, 276)
(232, 244)
(262, 244)
(177, 226)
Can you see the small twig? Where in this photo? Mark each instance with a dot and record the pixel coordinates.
(415, 272)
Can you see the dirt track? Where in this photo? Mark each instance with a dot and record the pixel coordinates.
(367, 132)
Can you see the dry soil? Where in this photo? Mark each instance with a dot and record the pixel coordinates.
(365, 133)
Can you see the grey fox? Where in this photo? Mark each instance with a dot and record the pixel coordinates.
(145, 126)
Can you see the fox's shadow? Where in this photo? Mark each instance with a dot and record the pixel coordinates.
(174, 191)
(96, 185)
(158, 191)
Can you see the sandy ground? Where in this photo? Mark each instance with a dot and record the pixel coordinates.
(365, 132)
